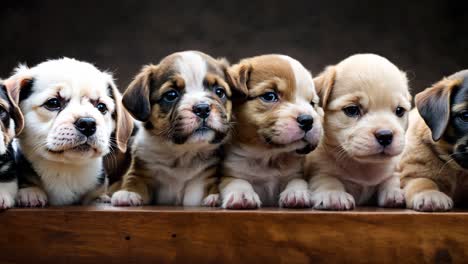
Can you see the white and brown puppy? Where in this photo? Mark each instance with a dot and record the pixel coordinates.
(184, 104)
(365, 98)
(278, 121)
(11, 124)
(71, 111)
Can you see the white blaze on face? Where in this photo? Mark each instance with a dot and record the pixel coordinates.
(192, 67)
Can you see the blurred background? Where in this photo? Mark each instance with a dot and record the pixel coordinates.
(427, 39)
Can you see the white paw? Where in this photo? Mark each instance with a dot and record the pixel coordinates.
(295, 199)
(6, 200)
(431, 201)
(104, 198)
(393, 198)
(332, 200)
(211, 200)
(126, 198)
(241, 200)
(31, 197)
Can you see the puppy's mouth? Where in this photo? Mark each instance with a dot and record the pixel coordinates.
(306, 150)
(79, 149)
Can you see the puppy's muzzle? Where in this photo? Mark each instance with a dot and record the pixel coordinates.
(202, 110)
(305, 122)
(384, 137)
(86, 126)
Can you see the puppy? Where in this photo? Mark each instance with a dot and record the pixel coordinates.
(278, 121)
(434, 166)
(71, 111)
(11, 124)
(365, 99)
(185, 108)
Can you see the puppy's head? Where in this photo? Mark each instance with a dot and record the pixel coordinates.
(71, 110)
(11, 118)
(444, 108)
(366, 99)
(185, 99)
(277, 105)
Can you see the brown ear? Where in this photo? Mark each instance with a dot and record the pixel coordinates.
(324, 84)
(239, 76)
(433, 105)
(15, 111)
(136, 97)
(123, 121)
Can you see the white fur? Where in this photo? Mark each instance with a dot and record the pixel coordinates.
(8, 192)
(431, 201)
(192, 68)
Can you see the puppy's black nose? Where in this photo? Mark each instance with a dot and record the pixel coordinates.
(384, 137)
(305, 122)
(202, 110)
(86, 125)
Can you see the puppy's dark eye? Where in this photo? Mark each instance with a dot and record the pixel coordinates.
(463, 115)
(269, 97)
(53, 104)
(170, 96)
(102, 108)
(3, 113)
(400, 111)
(220, 92)
(352, 111)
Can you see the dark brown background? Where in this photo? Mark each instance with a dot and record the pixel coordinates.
(428, 39)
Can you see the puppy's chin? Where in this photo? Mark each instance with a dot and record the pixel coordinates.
(377, 155)
(298, 141)
(201, 135)
(74, 154)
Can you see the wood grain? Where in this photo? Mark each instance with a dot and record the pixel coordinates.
(193, 235)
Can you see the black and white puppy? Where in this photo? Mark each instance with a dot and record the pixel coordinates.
(72, 111)
(11, 123)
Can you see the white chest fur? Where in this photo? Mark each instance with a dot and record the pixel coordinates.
(267, 172)
(67, 183)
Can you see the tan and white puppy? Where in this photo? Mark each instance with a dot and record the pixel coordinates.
(71, 111)
(184, 104)
(365, 98)
(278, 121)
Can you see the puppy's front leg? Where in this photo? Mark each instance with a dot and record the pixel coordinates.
(295, 195)
(390, 194)
(238, 194)
(134, 192)
(329, 193)
(423, 194)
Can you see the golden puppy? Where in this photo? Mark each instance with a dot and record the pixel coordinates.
(434, 166)
(184, 104)
(278, 120)
(365, 99)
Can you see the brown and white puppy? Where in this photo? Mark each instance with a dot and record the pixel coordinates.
(278, 121)
(365, 98)
(434, 166)
(71, 111)
(184, 104)
(11, 124)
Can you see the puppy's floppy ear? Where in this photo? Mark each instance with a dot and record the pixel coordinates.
(238, 77)
(15, 111)
(433, 105)
(137, 96)
(123, 120)
(324, 84)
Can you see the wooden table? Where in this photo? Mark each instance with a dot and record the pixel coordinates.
(195, 235)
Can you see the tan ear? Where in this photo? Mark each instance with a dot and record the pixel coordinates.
(433, 105)
(239, 76)
(123, 121)
(136, 97)
(324, 83)
(15, 111)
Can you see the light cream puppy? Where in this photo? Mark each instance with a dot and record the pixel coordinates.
(365, 98)
(71, 110)
(278, 121)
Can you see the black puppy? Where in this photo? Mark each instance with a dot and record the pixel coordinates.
(11, 124)
(434, 166)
